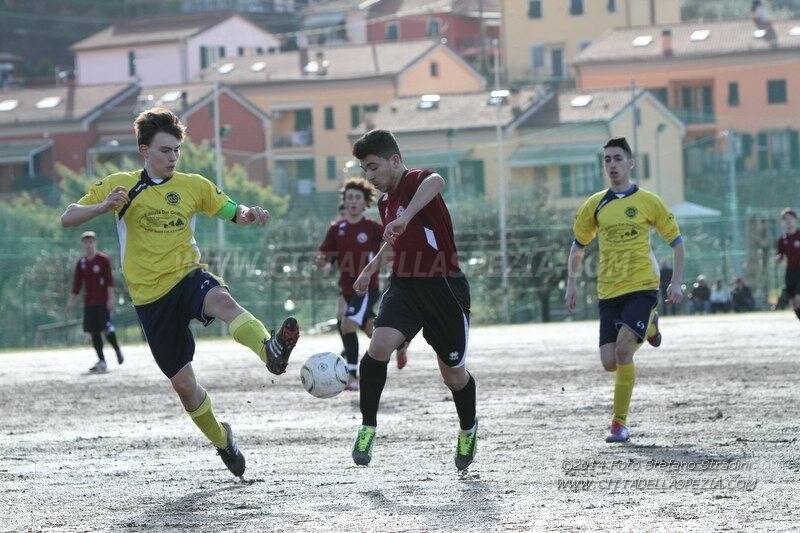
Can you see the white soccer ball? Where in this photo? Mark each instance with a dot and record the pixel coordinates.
(324, 375)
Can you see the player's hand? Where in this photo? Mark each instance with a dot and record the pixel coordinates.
(327, 268)
(362, 283)
(255, 214)
(110, 305)
(394, 229)
(571, 297)
(674, 293)
(116, 199)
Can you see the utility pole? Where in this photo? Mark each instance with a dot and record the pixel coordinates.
(482, 33)
(502, 190)
(736, 243)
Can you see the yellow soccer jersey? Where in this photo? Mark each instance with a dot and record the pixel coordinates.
(622, 225)
(156, 230)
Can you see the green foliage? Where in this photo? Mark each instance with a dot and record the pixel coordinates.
(735, 9)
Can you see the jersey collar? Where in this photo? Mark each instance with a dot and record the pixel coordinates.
(146, 177)
(610, 196)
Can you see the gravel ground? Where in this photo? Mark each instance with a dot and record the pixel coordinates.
(714, 424)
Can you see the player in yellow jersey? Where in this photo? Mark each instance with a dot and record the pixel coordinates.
(155, 210)
(628, 276)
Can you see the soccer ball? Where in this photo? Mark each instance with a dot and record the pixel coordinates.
(324, 375)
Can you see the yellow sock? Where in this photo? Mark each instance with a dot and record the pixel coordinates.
(248, 331)
(204, 418)
(623, 389)
(651, 327)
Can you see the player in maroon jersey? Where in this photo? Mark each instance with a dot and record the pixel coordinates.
(789, 249)
(93, 271)
(427, 290)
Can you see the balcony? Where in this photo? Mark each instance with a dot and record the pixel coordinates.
(294, 139)
(690, 116)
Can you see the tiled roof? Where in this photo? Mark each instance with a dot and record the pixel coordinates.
(387, 7)
(54, 103)
(723, 37)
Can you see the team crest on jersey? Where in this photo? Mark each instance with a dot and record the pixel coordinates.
(173, 197)
(362, 237)
(96, 269)
(631, 212)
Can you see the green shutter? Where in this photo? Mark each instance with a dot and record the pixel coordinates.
(355, 116)
(794, 148)
(566, 180)
(331, 167)
(329, 122)
(763, 154)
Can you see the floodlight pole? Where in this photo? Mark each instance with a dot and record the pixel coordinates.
(730, 137)
(502, 191)
(219, 163)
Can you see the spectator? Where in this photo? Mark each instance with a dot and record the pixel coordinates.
(666, 277)
(701, 294)
(720, 298)
(742, 297)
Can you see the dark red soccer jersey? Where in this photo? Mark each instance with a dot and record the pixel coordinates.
(95, 275)
(789, 247)
(427, 248)
(353, 245)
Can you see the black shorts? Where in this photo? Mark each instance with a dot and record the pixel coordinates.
(361, 308)
(632, 309)
(792, 282)
(96, 318)
(439, 306)
(166, 321)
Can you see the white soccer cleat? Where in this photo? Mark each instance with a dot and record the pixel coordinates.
(619, 433)
(98, 368)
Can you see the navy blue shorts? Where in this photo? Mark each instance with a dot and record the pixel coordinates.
(438, 306)
(632, 309)
(792, 282)
(96, 318)
(166, 321)
(361, 308)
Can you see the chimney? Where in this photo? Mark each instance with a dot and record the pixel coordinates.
(322, 64)
(762, 21)
(302, 45)
(184, 100)
(514, 100)
(666, 42)
(69, 105)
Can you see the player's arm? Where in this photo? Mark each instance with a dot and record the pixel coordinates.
(675, 287)
(326, 253)
(574, 264)
(780, 253)
(86, 210)
(110, 277)
(427, 191)
(77, 282)
(362, 282)
(585, 230)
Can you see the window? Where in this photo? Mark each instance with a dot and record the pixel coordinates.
(259, 51)
(537, 56)
(733, 94)
(540, 176)
(583, 45)
(534, 9)
(131, 63)
(203, 57)
(392, 31)
(557, 62)
(576, 7)
(329, 122)
(778, 150)
(221, 51)
(586, 178)
(776, 91)
(611, 6)
(566, 180)
(646, 166)
(434, 69)
(660, 93)
(331, 167)
(240, 51)
(357, 113)
(433, 27)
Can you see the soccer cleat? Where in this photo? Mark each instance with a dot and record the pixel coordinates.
(352, 382)
(402, 356)
(98, 368)
(230, 454)
(619, 433)
(653, 334)
(466, 447)
(120, 359)
(279, 347)
(362, 449)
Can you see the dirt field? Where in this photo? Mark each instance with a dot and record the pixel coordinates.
(714, 423)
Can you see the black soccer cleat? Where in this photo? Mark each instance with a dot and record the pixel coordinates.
(230, 454)
(279, 346)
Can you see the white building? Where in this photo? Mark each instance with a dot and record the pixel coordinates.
(167, 50)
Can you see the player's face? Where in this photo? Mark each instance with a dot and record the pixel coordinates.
(618, 165)
(381, 173)
(162, 155)
(354, 202)
(789, 223)
(89, 246)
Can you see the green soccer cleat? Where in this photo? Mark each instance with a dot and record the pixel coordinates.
(466, 447)
(362, 449)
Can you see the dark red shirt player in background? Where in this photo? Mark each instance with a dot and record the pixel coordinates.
(789, 249)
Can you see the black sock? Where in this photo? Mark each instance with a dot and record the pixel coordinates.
(465, 404)
(350, 341)
(371, 382)
(97, 342)
(797, 311)
(112, 338)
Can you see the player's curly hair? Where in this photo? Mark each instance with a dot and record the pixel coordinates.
(154, 120)
(359, 184)
(789, 211)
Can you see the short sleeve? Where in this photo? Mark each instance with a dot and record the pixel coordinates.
(585, 226)
(97, 192)
(212, 199)
(779, 248)
(664, 222)
(378, 227)
(329, 244)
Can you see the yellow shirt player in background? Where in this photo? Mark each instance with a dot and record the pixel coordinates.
(628, 275)
(155, 209)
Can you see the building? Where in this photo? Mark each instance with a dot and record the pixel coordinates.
(716, 76)
(167, 50)
(316, 97)
(551, 141)
(541, 38)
